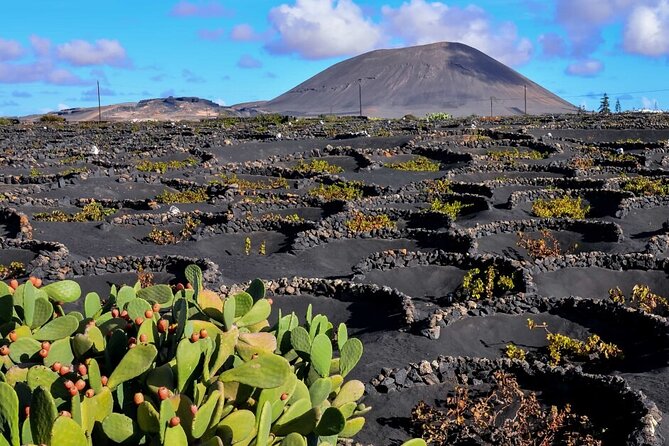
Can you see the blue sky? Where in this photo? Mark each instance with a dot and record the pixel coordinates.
(53, 51)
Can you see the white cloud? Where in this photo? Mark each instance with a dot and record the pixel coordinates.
(220, 102)
(63, 107)
(41, 46)
(420, 22)
(102, 52)
(10, 49)
(244, 33)
(647, 30)
(648, 104)
(317, 29)
(585, 68)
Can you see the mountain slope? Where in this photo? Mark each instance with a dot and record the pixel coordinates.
(440, 77)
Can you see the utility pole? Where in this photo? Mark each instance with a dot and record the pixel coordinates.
(360, 94)
(491, 98)
(99, 104)
(525, 98)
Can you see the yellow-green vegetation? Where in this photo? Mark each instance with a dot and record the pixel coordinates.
(646, 186)
(194, 195)
(418, 164)
(74, 170)
(514, 154)
(93, 211)
(290, 218)
(361, 222)
(342, 190)
(167, 237)
(439, 116)
(5, 121)
(512, 351)
(581, 162)
(452, 209)
(270, 183)
(164, 166)
(50, 117)
(642, 298)
(13, 270)
(620, 157)
(564, 348)
(263, 248)
(72, 159)
(486, 284)
(247, 245)
(438, 186)
(545, 246)
(563, 207)
(35, 172)
(630, 141)
(317, 166)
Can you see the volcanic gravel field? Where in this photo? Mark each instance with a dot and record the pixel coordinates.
(254, 212)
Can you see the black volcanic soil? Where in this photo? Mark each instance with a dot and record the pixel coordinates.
(317, 247)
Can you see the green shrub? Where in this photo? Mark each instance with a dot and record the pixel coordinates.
(151, 366)
(439, 186)
(317, 166)
(270, 183)
(646, 186)
(164, 166)
(477, 284)
(419, 164)
(194, 195)
(50, 117)
(350, 190)
(5, 121)
(514, 154)
(564, 207)
(439, 116)
(452, 209)
(12, 271)
(365, 223)
(93, 211)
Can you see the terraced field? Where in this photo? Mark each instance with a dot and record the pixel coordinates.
(434, 242)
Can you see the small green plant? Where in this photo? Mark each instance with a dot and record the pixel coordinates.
(5, 121)
(193, 195)
(290, 218)
(620, 158)
(564, 348)
(452, 209)
(347, 191)
(167, 237)
(643, 186)
(514, 154)
(74, 171)
(164, 166)
(12, 271)
(273, 183)
(581, 162)
(438, 116)
(545, 246)
(512, 351)
(263, 248)
(478, 284)
(35, 172)
(92, 211)
(642, 298)
(439, 186)
(72, 159)
(247, 246)
(51, 118)
(361, 222)
(564, 207)
(418, 164)
(316, 166)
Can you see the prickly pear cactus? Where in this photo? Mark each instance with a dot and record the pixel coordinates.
(181, 366)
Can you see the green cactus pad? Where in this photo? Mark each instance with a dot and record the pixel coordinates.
(63, 291)
(92, 306)
(193, 275)
(210, 302)
(294, 439)
(301, 342)
(415, 442)
(81, 345)
(9, 414)
(119, 428)
(205, 413)
(300, 417)
(265, 372)
(348, 409)
(243, 303)
(249, 344)
(94, 376)
(258, 313)
(256, 289)
(351, 391)
(342, 336)
(351, 353)
(125, 295)
(24, 349)
(96, 409)
(161, 294)
(39, 375)
(43, 412)
(264, 425)
(352, 427)
(60, 351)
(162, 376)
(148, 418)
(66, 432)
(42, 312)
(176, 436)
(321, 354)
(59, 328)
(188, 358)
(16, 374)
(136, 308)
(319, 391)
(236, 427)
(135, 362)
(332, 422)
